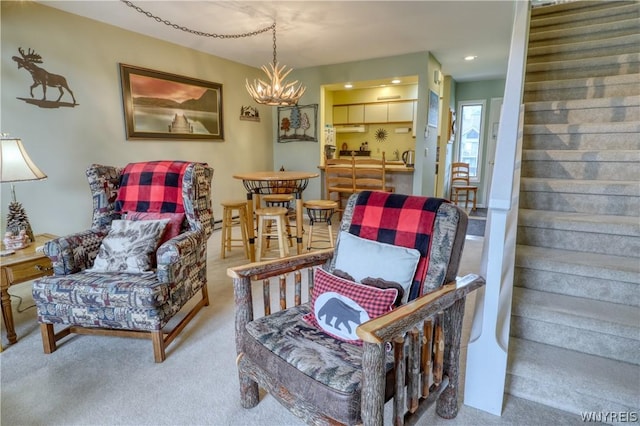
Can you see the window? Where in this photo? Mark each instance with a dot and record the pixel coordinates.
(471, 117)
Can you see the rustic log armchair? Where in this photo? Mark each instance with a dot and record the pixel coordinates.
(316, 360)
(142, 260)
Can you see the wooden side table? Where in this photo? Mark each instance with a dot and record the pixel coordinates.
(23, 265)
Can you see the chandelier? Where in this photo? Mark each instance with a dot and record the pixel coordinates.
(277, 91)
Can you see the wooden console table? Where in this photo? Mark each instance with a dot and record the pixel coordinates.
(23, 265)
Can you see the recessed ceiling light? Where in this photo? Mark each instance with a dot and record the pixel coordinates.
(348, 86)
(470, 58)
(395, 81)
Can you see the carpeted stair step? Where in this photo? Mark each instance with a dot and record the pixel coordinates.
(587, 275)
(581, 196)
(570, 380)
(570, 8)
(614, 235)
(582, 88)
(581, 164)
(585, 325)
(602, 110)
(583, 128)
(584, 49)
(584, 33)
(588, 141)
(583, 16)
(602, 66)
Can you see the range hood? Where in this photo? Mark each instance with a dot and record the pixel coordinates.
(350, 128)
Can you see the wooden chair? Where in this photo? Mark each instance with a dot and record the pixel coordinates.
(369, 174)
(338, 176)
(410, 353)
(460, 183)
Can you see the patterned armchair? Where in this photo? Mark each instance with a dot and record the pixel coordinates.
(93, 291)
(333, 360)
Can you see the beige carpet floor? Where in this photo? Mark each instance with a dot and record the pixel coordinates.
(93, 380)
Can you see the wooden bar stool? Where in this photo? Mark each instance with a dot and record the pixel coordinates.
(320, 211)
(267, 216)
(228, 223)
(282, 200)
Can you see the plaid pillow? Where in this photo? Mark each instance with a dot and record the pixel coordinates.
(339, 306)
(401, 220)
(152, 186)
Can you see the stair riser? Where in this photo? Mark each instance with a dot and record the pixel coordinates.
(583, 19)
(584, 72)
(580, 203)
(548, 55)
(588, 170)
(572, 9)
(560, 397)
(589, 92)
(577, 339)
(578, 285)
(614, 141)
(581, 115)
(582, 34)
(591, 242)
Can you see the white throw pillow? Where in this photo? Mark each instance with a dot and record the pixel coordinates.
(362, 258)
(129, 245)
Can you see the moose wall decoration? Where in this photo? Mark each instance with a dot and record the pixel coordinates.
(42, 77)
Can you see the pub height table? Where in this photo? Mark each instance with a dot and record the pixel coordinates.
(275, 182)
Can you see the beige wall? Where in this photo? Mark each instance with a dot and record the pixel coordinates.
(64, 141)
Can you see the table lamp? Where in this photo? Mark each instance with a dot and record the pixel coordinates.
(16, 166)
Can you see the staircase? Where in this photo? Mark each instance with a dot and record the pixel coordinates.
(575, 326)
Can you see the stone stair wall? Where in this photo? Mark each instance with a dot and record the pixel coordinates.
(575, 326)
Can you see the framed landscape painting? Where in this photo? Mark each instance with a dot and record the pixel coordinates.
(159, 105)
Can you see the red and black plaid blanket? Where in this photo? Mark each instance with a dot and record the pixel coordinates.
(401, 220)
(152, 186)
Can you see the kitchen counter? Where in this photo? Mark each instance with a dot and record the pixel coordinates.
(391, 167)
(399, 176)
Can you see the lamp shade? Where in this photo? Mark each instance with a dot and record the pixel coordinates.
(15, 164)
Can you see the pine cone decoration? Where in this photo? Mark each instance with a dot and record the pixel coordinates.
(17, 220)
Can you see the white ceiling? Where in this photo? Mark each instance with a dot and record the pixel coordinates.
(312, 33)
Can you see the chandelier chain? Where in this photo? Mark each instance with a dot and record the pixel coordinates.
(202, 33)
(275, 61)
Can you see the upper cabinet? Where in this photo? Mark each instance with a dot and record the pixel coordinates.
(375, 113)
(348, 114)
(401, 111)
(379, 112)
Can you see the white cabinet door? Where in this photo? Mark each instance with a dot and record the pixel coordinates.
(340, 114)
(356, 114)
(375, 113)
(400, 112)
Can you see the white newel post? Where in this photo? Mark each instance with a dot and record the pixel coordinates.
(486, 365)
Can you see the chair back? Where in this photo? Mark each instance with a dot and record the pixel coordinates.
(154, 186)
(433, 226)
(369, 174)
(460, 174)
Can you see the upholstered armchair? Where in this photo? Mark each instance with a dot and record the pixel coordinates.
(383, 318)
(142, 260)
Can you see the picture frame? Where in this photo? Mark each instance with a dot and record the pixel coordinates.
(164, 106)
(302, 120)
(434, 101)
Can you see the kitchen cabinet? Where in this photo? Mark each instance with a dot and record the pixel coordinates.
(375, 113)
(380, 112)
(400, 112)
(348, 114)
